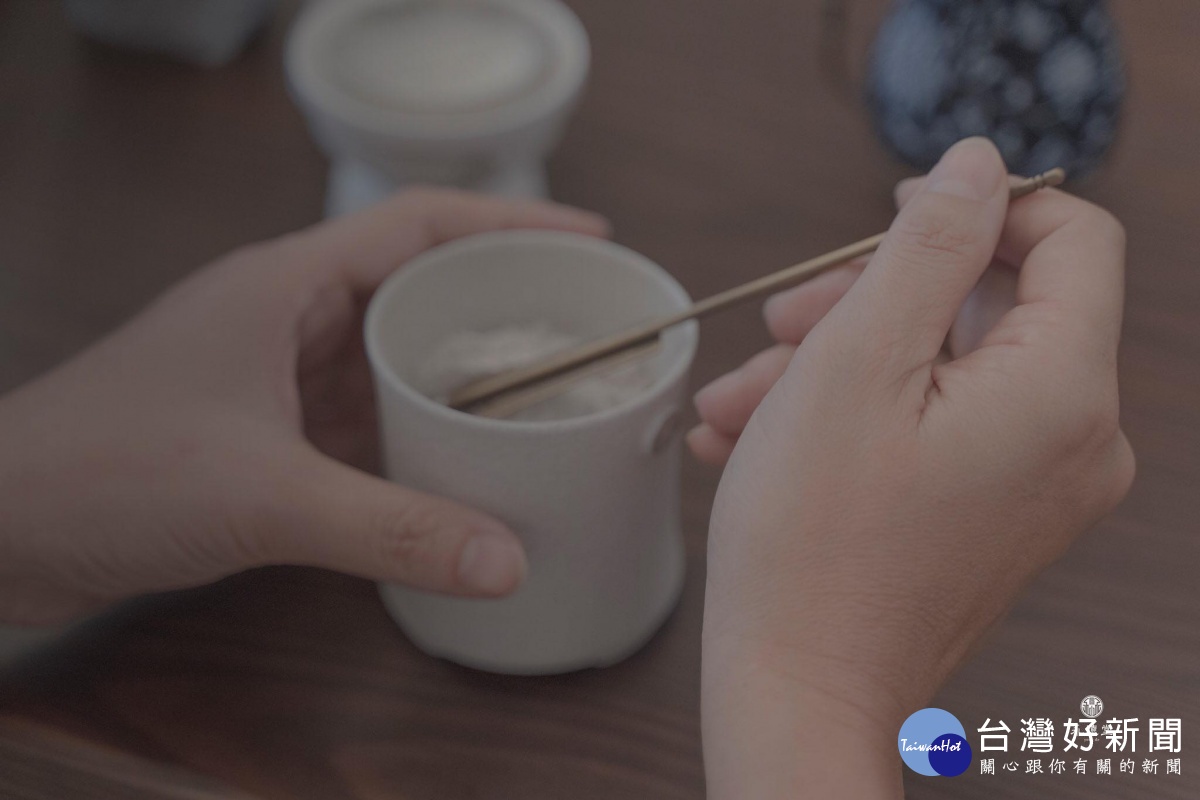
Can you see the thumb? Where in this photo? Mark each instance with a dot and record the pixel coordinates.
(940, 243)
(346, 520)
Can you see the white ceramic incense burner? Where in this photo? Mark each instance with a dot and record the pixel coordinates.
(472, 94)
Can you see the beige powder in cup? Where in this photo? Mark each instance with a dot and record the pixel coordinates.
(471, 355)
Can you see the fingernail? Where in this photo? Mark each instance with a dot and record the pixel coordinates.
(491, 564)
(772, 308)
(971, 169)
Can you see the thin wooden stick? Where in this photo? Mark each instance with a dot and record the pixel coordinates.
(508, 403)
(476, 392)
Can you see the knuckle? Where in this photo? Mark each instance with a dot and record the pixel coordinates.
(765, 368)
(1124, 472)
(926, 238)
(1103, 421)
(1091, 424)
(403, 536)
(1095, 437)
(1103, 220)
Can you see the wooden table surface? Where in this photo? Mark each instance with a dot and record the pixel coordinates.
(724, 139)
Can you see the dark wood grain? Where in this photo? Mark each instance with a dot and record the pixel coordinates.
(39, 761)
(724, 140)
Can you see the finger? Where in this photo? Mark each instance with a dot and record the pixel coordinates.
(1078, 260)
(898, 313)
(710, 446)
(346, 520)
(992, 298)
(1078, 251)
(366, 247)
(791, 314)
(1031, 221)
(727, 403)
(1071, 255)
(906, 189)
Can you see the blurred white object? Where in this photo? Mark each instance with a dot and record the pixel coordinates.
(473, 93)
(594, 498)
(205, 32)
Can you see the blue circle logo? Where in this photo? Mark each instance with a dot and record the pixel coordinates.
(933, 742)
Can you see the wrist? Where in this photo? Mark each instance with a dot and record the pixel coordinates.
(773, 731)
(860, 647)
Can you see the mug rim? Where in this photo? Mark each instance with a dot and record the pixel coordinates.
(310, 82)
(382, 370)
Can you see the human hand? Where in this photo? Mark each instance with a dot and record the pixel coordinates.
(881, 506)
(229, 425)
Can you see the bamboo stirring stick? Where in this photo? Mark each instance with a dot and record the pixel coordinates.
(508, 403)
(467, 397)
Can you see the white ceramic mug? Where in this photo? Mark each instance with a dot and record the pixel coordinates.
(594, 499)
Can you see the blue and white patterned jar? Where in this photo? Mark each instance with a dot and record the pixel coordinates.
(1040, 78)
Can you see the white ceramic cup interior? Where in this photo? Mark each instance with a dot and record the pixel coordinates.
(594, 499)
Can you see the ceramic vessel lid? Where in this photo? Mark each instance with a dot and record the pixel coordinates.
(438, 67)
